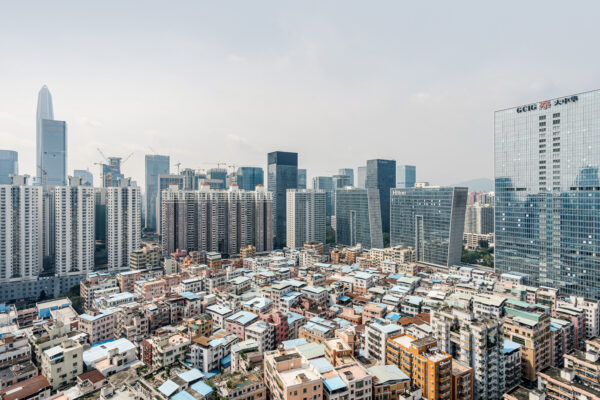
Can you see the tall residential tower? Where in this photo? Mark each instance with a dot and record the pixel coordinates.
(282, 175)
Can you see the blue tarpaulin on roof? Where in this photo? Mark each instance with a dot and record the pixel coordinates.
(226, 361)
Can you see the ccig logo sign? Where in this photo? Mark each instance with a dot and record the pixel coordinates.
(546, 104)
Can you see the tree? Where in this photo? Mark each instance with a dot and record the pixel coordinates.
(329, 235)
(386, 239)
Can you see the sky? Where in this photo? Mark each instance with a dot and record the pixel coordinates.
(339, 82)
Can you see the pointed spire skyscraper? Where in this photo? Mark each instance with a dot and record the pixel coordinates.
(51, 143)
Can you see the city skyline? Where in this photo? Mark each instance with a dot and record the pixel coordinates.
(251, 83)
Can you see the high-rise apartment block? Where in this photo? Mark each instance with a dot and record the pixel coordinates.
(306, 217)
(358, 217)
(479, 218)
(406, 176)
(223, 221)
(74, 228)
(248, 178)
(325, 183)
(20, 230)
(381, 175)
(430, 220)
(9, 165)
(156, 165)
(123, 223)
(282, 175)
(547, 158)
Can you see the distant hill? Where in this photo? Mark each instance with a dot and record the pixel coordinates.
(478, 184)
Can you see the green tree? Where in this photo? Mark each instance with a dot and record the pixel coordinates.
(329, 235)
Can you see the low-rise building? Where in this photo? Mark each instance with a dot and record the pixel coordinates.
(63, 363)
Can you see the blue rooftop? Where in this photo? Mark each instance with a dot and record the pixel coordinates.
(192, 375)
(322, 365)
(334, 383)
(183, 395)
(189, 295)
(202, 388)
(510, 346)
(168, 388)
(243, 317)
(294, 342)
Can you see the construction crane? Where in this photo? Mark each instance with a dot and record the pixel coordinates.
(126, 158)
(102, 154)
(177, 165)
(152, 150)
(44, 173)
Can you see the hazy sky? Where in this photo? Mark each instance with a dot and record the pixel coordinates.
(337, 81)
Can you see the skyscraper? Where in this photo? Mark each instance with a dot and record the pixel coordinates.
(74, 225)
(218, 174)
(358, 217)
(9, 165)
(381, 175)
(431, 220)
(547, 158)
(155, 165)
(349, 173)
(406, 176)
(248, 178)
(325, 183)
(282, 175)
(87, 178)
(44, 111)
(306, 217)
(361, 178)
(20, 230)
(123, 223)
(53, 160)
(301, 178)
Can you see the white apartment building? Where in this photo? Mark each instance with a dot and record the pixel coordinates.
(376, 336)
(21, 219)
(74, 207)
(63, 363)
(123, 223)
(306, 217)
(262, 333)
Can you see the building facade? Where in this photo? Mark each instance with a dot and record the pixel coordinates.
(381, 175)
(248, 178)
(282, 175)
(546, 185)
(155, 165)
(74, 228)
(430, 220)
(306, 217)
(9, 165)
(406, 176)
(358, 217)
(123, 223)
(20, 231)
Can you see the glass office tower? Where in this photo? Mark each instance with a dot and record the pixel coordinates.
(431, 220)
(155, 165)
(406, 176)
(87, 178)
(54, 152)
(547, 216)
(282, 174)
(361, 177)
(301, 178)
(248, 178)
(349, 174)
(9, 165)
(45, 110)
(325, 183)
(381, 175)
(358, 217)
